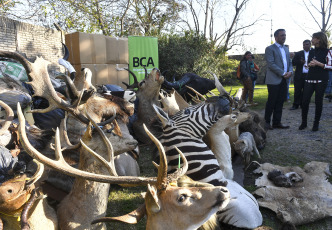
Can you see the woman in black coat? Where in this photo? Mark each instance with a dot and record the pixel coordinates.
(319, 63)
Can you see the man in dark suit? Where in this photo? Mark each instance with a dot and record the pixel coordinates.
(300, 60)
(279, 71)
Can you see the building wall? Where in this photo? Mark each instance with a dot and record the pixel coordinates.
(31, 41)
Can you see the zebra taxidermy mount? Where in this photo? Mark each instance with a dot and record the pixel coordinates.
(185, 130)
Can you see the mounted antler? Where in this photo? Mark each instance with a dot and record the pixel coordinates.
(9, 117)
(61, 165)
(163, 182)
(42, 86)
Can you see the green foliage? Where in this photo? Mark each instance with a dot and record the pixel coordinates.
(181, 54)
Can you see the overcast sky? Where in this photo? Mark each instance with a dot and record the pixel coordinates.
(290, 15)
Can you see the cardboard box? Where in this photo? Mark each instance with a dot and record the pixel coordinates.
(106, 73)
(117, 50)
(86, 48)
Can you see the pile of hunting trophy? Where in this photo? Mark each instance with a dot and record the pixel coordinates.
(57, 168)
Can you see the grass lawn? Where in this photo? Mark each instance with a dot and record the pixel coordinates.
(260, 94)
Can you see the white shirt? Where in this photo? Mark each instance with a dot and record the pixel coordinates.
(283, 54)
(328, 64)
(306, 54)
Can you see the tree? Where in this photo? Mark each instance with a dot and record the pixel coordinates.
(109, 17)
(324, 9)
(152, 17)
(234, 29)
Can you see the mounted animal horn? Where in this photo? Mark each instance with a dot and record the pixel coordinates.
(219, 86)
(146, 71)
(66, 55)
(176, 85)
(135, 84)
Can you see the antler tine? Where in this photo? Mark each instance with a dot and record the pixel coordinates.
(98, 157)
(9, 118)
(66, 144)
(63, 130)
(39, 172)
(197, 93)
(185, 166)
(234, 93)
(73, 92)
(197, 101)
(162, 167)
(62, 166)
(211, 93)
(135, 84)
(110, 151)
(230, 91)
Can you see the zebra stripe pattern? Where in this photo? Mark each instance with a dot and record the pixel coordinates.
(185, 130)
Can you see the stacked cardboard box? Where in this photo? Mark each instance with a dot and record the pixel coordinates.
(101, 54)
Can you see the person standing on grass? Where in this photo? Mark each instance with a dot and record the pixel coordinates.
(279, 71)
(300, 60)
(247, 78)
(320, 61)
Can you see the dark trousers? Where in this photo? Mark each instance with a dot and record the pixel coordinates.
(275, 101)
(298, 89)
(309, 89)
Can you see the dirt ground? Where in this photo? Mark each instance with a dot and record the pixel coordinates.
(294, 147)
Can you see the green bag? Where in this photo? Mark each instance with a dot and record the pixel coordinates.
(13, 70)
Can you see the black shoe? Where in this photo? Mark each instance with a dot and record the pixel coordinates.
(268, 126)
(315, 127)
(280, 126)
(303, 126)
(294, 107)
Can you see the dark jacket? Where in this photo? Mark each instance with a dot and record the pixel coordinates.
(318, 73)
(298, 64)
(245, 69)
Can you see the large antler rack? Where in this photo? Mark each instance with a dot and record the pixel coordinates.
(61, 165)
(42, 86)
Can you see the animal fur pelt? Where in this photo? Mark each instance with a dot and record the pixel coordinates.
(302, 203)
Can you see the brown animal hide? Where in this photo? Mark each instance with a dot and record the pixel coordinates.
(302, 203)
(148, 94)
(253, 125)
